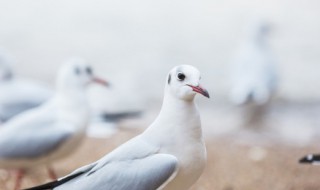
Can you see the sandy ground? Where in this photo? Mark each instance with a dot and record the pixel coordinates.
(231, 165)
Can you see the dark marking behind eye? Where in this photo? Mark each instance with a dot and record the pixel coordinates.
(77, 71)
(89, 70)
(169, 79)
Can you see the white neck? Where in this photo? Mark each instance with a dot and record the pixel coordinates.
(177, 118)
(73, 107)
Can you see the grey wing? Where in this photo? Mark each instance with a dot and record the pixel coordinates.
(19, 96)
(148, 173)
(8, 111)
(30, 143)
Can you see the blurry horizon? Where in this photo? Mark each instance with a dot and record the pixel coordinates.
(136, 43)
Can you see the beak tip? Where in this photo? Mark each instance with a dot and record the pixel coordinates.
(206, 94)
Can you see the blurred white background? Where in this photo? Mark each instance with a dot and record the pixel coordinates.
(135, 43)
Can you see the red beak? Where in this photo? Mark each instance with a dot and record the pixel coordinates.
(200, 90)
(100, 81)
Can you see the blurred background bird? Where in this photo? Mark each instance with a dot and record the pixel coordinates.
(254, 73)
(20, 94)
(313, 159)
(42, 135)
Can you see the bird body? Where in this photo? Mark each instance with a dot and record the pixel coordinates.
(178, 132)
(253, 76)
(29, 152)
(52, 131)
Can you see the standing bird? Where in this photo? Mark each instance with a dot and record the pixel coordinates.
(170, 154)
(18, 94)
(313, 159)
(52, 131)
(21, 94)
(254, 76)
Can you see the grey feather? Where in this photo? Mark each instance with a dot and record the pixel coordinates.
(141, 174)
(135, 165)
(27, 137)
(10, 110)
(30, 144)
(19, 95)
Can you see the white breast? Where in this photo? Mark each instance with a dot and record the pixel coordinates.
(192, 160)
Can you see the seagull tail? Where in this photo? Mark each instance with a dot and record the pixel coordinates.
(53, 184)
(310, 159)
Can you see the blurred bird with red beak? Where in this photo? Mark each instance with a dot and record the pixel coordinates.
(40, 136)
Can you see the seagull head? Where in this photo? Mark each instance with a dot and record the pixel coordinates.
(183, 82)
(77, 73)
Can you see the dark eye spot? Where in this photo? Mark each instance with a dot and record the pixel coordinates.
(89, 70)
(181, 76)
(169, 79)
(77, 71)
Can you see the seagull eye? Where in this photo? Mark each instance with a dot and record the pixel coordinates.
(181, 76)
(89, 70)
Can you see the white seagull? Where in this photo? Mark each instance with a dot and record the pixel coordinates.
(170, 154)
(52, 131)
(18, 94)
(254, 76)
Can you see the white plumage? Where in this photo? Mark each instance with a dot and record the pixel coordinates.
(254, 76)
